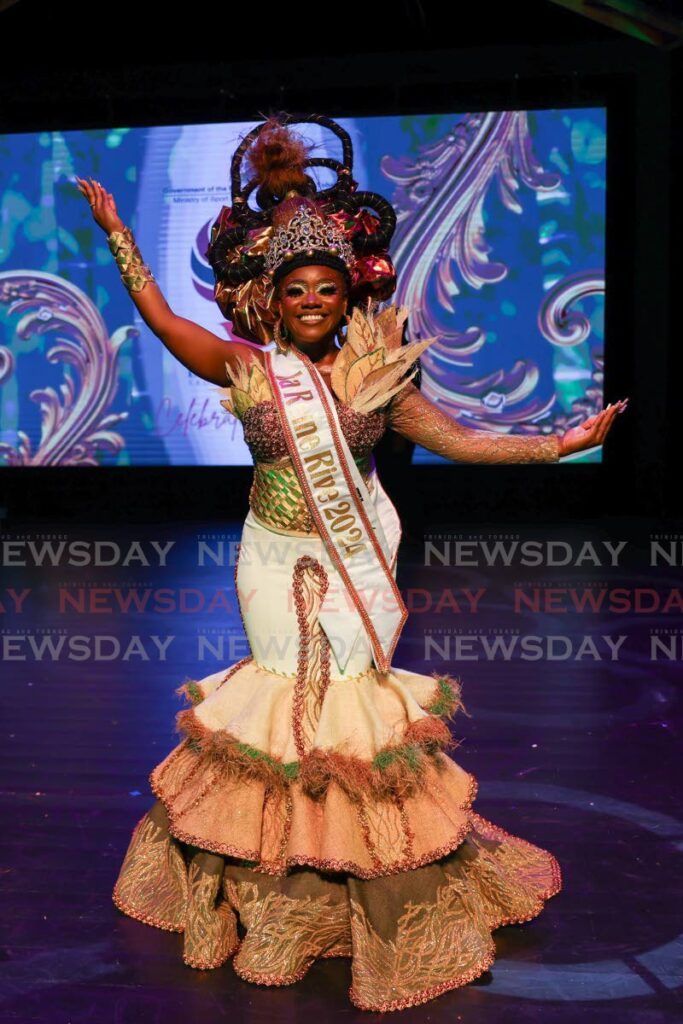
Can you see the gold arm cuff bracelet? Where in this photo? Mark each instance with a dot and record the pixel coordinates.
(135, 273)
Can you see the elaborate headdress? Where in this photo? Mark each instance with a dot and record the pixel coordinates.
(296, 224)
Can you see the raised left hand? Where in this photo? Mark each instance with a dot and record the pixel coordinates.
(592, 431)
(102, 204)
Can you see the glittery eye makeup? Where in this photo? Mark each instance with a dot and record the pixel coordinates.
(293, 291)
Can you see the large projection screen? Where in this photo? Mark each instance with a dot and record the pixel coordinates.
(500, 252)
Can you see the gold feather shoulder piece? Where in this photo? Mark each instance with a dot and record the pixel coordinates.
(372, 364)
(250, 385)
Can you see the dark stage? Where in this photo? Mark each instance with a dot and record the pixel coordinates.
(580, 754)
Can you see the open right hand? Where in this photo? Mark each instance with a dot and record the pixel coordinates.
(102, 205)
(592, 431)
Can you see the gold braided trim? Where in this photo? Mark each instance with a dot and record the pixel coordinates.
(464, 913)
(441, 941)
(281, 868)
(140, 915)
(191, 689)
(152, 885)
(427, 993)
(277, 499)
(261, 978)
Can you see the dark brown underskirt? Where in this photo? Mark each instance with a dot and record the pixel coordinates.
(411, 936)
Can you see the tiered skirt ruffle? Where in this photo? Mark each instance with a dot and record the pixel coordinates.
(366, 847)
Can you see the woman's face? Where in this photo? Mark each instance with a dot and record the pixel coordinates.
(312, 302)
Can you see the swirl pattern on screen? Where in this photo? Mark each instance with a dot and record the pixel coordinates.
(499, 251)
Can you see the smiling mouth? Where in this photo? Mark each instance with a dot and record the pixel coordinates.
(311, 318)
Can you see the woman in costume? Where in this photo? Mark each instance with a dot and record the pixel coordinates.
(310, 809)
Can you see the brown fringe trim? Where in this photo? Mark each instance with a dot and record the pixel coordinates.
(446, 700)
(191, 691)
(397, 771)
(429, 731)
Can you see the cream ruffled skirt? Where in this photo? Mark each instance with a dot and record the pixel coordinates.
(309, 812)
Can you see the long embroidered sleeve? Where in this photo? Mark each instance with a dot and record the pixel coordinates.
(416, 418)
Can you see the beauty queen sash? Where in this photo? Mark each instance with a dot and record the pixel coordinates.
(358, 555)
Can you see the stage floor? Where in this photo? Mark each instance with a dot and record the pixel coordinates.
(576, 747)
